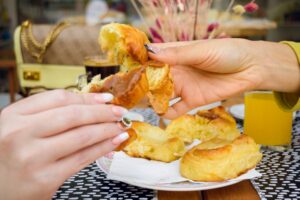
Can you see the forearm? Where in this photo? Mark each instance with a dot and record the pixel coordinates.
(278, 65)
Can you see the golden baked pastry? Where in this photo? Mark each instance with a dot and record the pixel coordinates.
(220, 160)
(161, 86)
(140, 78)
(153, 82)
(128, 88)
(223, 121)
(151, 142)
(124, 45)
(132, 87)
(204, 126)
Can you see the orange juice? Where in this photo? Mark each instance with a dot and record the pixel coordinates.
(265, 122)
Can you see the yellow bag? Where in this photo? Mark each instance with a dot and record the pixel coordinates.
(62, 62)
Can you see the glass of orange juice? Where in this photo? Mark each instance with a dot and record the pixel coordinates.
(266, 122)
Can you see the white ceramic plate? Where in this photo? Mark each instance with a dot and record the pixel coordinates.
(104, 163)
(238, 111)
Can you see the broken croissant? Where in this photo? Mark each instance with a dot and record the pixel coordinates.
(139, 78)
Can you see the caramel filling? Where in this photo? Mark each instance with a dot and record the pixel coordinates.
(120, 84)
(208, 115)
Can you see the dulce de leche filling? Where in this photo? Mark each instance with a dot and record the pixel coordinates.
(208, 115)
(119, 84)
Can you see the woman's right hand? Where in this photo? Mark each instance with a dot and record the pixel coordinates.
(212, 70)
(48, 137)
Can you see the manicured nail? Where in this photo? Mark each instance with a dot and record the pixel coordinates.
(119, 111)
(109, 155)
(120, 138)
(103, 97)
(152, 49)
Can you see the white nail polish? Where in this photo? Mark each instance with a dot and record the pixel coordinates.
(104, 97)
(120, 138)
(119, 111)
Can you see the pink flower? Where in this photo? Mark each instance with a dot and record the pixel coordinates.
(155, 2)
(157, 22)
(184, 37)
(156, 36)
(157, 40)
(251, 7)
(212, 26)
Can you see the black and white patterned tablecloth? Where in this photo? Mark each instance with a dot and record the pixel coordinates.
(280, 176)
(91, 183)
(281, 171)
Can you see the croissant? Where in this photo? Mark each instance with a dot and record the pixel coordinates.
(151, 142)
(140, 79)
(124, 45)
(220, 160)
(205, 125)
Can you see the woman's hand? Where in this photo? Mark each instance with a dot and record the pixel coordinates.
(46, 138)
(212, 70)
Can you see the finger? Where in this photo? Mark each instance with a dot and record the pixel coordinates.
(178, 55)
(72, 141)
(70, 165)
(177, 110)
(69, 117)
(171, 44)
(57, 98)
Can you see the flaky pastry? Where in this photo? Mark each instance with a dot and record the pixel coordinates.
(220, 160)
(140, 78)
(204, 126)
(128, 88)
(124, 45)
(161, 86)
(151, 142)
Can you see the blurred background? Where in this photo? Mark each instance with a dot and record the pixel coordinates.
(276, 20)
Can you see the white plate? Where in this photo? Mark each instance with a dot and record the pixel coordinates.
(104, 163)
(238, 111)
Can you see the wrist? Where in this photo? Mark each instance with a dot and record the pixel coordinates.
(278, 65)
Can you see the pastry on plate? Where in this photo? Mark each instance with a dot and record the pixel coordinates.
(223, 121)
(151, 142)
(204, 126)
(220, 160)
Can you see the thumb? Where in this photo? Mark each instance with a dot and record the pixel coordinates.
(177, 110)
(183, 54)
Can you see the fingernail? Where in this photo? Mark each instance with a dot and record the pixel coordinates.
(119, 111)
(109, 155)
(120, 138)
(104, 97)
(152, 49)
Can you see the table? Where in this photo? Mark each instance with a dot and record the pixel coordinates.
(243, 189)
(281, 180)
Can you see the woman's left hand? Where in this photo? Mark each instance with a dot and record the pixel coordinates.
(46, 138)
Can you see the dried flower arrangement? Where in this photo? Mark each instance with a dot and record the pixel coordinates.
(183, 20)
